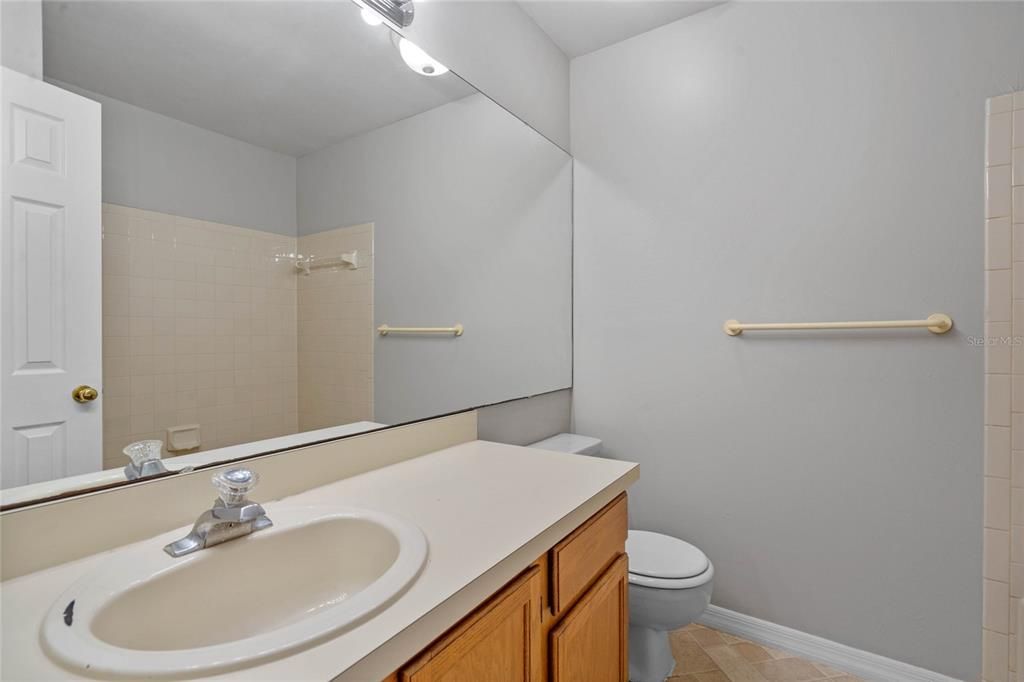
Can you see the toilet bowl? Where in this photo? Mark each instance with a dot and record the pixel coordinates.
(670, 583)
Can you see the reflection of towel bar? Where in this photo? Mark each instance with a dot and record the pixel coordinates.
(937, 323)
(384, 330)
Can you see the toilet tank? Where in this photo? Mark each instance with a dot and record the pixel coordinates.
(570, 442)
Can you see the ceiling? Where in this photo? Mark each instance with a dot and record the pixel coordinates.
(582, 26)
(289, 75)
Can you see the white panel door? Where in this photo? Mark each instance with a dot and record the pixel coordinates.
(50, 282)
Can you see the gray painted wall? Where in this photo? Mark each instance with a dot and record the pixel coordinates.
(498, 48)
(21, 35)
(472, 213)
(161, 164)
(526, 421)
(774, 162)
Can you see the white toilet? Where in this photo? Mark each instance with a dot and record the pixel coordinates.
(669, 583)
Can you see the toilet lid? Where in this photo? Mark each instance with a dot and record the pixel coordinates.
(663, 556)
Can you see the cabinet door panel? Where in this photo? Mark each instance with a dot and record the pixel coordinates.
(501, 642)
(590, 644)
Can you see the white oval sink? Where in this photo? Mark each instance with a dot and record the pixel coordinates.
(314, 573)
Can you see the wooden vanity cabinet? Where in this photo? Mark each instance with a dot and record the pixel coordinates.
(501, 640)
(564, 619)
(589, 643)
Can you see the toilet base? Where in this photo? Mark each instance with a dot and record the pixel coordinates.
(650, 656)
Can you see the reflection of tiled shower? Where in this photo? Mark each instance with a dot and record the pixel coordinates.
(336, 330)
(1003, 565)
(201, 325)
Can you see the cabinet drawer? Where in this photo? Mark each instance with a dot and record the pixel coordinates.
(580, 558)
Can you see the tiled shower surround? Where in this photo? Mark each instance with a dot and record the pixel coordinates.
(336, 331)
(1003, 566)
(200, 326)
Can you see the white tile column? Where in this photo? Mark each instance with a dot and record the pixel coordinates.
(1003, 566)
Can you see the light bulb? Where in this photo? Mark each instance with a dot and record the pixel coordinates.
(371, 17)
(418, 60)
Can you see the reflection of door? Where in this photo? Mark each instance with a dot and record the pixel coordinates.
(50, 282)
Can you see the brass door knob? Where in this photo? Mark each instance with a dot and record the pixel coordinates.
(85, 394)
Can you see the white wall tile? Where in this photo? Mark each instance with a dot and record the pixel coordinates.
(1000, 104)
(335, 311)
(997, 191)
(1017, 459)
(998, 289)
(995, 656)
(1017, 393)
(999, 602)
(997, 503)
(999, 346)
(996, 560)
(162, 325)
(996, 606)
(997, 400)
(1016, 546)
(1017, 506)
(998, 139)
(997, 451)
(998, 253)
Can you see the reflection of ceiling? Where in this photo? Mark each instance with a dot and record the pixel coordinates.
(582, 26)
(288, 75)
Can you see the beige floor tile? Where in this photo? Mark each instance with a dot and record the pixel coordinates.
(752, 652)
(707, 638)
(681, 636)
(826, 671)
(707, 655)
(732, 663)
(677, 638)
(788, 670)
(690, 658)
(776, 653)
(716, 676)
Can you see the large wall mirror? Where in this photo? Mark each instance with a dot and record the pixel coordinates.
(283, 185)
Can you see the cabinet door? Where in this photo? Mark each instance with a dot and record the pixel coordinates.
(589, 645)
(500, 642)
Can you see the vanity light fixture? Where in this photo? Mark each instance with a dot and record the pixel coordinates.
(396, 13)
(371, 17)
(418, 60)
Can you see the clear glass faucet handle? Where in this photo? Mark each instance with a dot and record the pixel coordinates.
(234, 484)
(144, 451)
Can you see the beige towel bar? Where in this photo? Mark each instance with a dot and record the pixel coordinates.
(384, 330)
(937, 323)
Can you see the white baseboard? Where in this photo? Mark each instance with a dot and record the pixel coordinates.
(839, 656)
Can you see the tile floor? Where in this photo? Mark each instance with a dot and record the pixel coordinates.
(706, 655)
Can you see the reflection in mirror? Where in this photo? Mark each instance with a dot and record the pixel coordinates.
(280, 181)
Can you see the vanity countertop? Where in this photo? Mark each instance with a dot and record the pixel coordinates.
(488, 510)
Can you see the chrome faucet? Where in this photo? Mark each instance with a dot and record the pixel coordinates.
(145, 459)
(232, 516)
